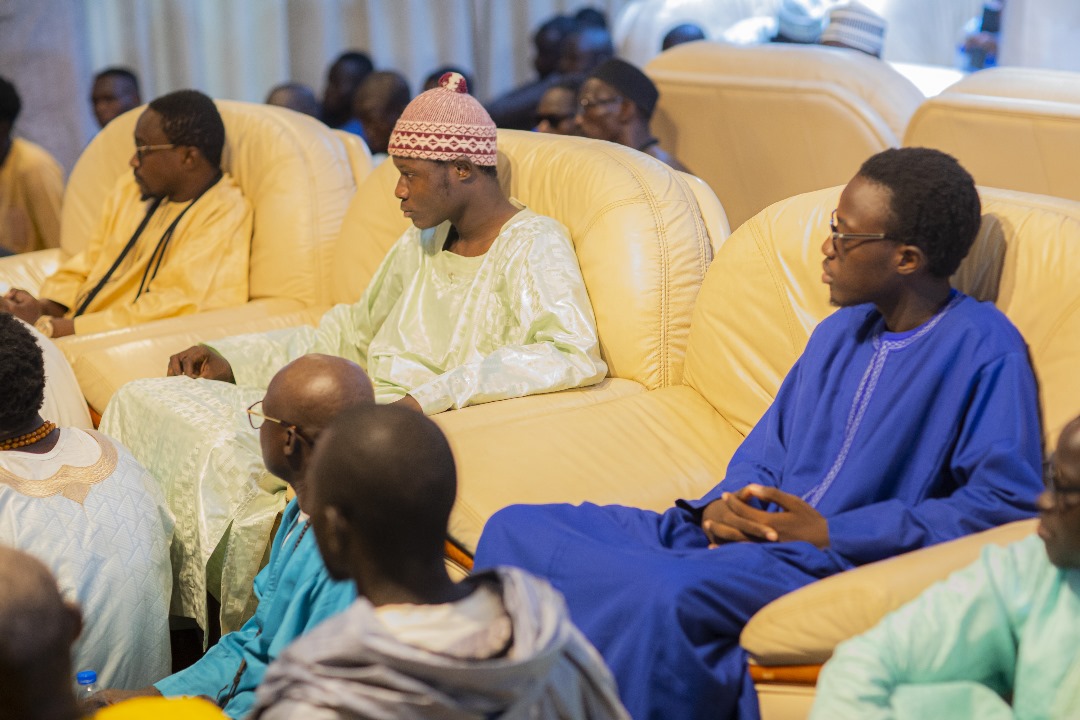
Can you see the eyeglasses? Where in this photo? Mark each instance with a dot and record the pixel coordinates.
(838, 238)
(588, 102)
(141, 150)
(1063, 498)
(552, 120)
(257, 418)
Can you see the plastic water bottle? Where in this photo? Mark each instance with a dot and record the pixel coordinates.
(86, 684)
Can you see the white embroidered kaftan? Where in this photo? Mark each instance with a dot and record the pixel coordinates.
(449, 330)
(96, 518)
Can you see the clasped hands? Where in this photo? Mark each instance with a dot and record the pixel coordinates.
(733, 519)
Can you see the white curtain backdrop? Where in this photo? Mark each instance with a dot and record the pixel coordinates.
(239, 49)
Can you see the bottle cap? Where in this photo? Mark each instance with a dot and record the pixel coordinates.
(86, 677)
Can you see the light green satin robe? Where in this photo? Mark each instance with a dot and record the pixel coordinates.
(451, 331)
(1007, 626)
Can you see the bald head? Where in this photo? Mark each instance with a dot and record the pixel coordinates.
(37, 630)
(304, 396)
(388, 474)
(295, 96)
(584, 49)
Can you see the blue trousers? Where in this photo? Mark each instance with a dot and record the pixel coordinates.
(663, 609)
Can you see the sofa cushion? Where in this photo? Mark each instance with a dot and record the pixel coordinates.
(803, 627)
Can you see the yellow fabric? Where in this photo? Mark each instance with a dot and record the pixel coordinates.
(159, 708)
(31, 186)
(205, 265)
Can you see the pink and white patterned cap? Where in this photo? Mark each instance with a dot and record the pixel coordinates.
(445, 123)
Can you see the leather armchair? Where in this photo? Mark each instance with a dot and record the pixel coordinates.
(298, 175)
(1016, 128)
(760, 300)
(763, 123)
(641, 240)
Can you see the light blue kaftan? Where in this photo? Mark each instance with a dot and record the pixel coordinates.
(1007, 626)
(901, 440)
(449, 330)
(295, 594)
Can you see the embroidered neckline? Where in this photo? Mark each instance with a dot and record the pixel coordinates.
(74, 483)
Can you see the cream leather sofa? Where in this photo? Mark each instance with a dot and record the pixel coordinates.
(1016, 128)
(641, 239)
(761, 298)
(762, 123)
(298, 175)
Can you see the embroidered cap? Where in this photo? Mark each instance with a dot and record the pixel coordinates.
(857, 27)
(445, 123)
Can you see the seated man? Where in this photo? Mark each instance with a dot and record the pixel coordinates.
(481, 300)
(416, 644)
(294, 591)
(378, 103)
(344, 76)
(31, 185)
(115, 91)
(617, 104)
(295, 96)
(910, 419)
(173, 239)
(82, 505)
(1000, 636)
(556, 113)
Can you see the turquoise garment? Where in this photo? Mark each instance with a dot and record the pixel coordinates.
(295, 594)
(454, 331)
(1006, 626)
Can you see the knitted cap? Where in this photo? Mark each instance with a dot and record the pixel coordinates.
(445, 123)
(629, 82)
(856, 26)
(800, 21)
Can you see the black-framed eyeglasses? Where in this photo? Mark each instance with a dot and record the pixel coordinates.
(142, 150)
(1063, 498)
(587, 102)
(846, 242)
(256, 418)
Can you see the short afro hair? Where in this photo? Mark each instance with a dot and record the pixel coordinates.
(934, 203)
(10, 104)
(190, 118)
(22, 374)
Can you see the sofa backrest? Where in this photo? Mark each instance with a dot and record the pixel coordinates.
(641, 241)
(1015, 128)
(763, 296)
(762, 123)
(295, 172)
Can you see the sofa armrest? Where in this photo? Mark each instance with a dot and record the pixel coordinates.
(803, 627)
(105, 361)
(28, 270)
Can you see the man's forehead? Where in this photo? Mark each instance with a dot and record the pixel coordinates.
(149, 123)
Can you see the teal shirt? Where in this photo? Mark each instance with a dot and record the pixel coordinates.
(1007, 626)
(295, 594)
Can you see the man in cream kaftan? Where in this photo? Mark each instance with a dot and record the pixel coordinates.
(448, 330)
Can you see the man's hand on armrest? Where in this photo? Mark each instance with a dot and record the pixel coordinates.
(200, 361)
(733, 519)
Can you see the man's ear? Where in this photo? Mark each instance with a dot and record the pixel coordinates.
(292, 442)
(463, 169)
(334, 542)
(910, 259)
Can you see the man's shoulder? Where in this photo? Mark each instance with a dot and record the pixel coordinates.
(535, 228)
(32, 156)
(972, 320)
